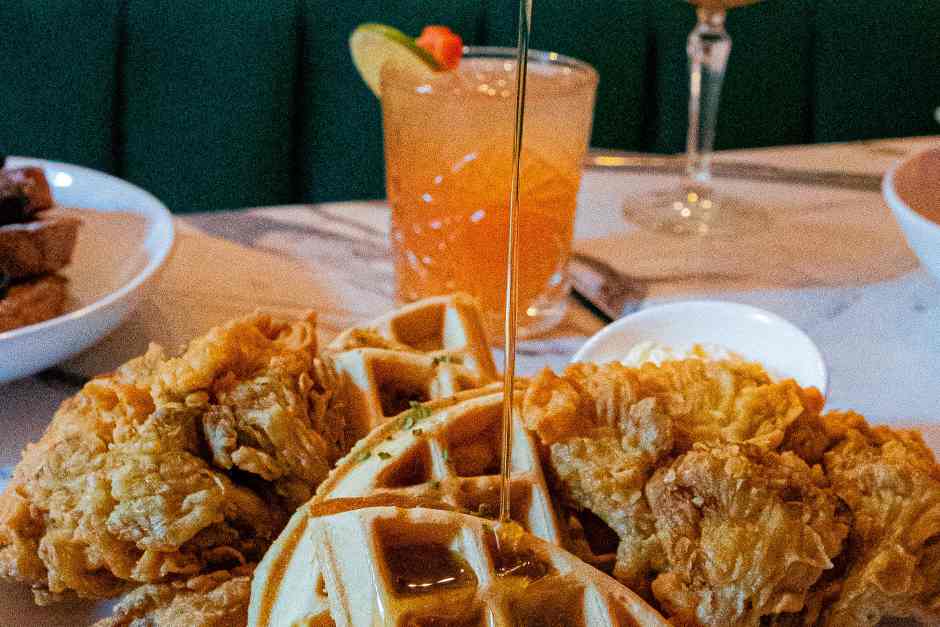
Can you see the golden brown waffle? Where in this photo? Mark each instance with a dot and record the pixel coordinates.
(449, 452)
(355, 564)
(429, 349)
(446, 451)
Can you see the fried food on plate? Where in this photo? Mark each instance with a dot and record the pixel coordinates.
(730, 400)
(746, 533)
(36, 242)
(604, 446)
(730, 498)
(891, 482)
(173, 466)
(617, 436)
(704, 400)
(217, 599)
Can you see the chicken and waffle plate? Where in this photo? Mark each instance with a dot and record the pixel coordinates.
(261, 478)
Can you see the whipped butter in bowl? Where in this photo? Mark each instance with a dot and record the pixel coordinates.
(657, 353)
(712, 330)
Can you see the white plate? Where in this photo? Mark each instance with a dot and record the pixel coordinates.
(125, 237)
(754, 333)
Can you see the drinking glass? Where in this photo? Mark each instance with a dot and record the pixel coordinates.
(448, 158)
(695, 208)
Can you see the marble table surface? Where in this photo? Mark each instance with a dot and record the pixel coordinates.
(831, 260)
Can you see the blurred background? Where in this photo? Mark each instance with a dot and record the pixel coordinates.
(235, 103)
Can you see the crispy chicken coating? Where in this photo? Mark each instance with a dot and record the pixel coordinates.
(705, 400)
(217, 599)
(609, 428)
(254, 381)
(585, 398)
(731, 401)
(603, 447)
(734, 501)
(746, 532)
(891, 482)
(173, 467)
(606, 475)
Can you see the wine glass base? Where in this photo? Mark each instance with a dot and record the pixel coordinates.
(690, 212)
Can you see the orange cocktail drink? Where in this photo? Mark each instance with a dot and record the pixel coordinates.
(448, 154)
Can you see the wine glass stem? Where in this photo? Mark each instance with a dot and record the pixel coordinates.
(708, 48)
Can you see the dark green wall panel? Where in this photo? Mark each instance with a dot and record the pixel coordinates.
(57, 79)
(208, 114)
(877, 68)
(611, 36)
(767, 89)
(235, 103)
(341, 133)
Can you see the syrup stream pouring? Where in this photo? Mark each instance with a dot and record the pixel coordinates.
(509, 330)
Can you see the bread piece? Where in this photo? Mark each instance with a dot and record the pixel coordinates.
(33, 301)
(23, 193)
(39, 247)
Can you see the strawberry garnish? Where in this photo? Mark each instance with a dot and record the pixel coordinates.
(445, 45)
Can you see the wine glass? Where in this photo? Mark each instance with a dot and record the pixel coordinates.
(695, 208)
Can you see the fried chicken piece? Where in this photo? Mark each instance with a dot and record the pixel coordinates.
(173, 467)
(87, 512)
(603, 443)
(607, 427)
(729, 400)
(807, 437)
(605, 473)
(218, 599)
(706, 400)
(891, 482)
(746, 533)
(265, 398)
(587, 397)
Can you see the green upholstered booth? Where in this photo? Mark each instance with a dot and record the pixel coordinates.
(59, 80)
(235, 103)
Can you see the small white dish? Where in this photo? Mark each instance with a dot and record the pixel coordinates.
(754, 334)
(125, 237)
(912, 190)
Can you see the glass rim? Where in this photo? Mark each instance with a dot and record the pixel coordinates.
(583, 73)
(544, 56)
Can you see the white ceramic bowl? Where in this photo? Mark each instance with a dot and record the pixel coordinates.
(755, 334)
(912, 189)
(126, 236)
